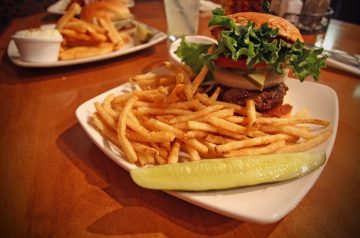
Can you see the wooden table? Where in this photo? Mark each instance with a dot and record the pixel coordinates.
(56, 183)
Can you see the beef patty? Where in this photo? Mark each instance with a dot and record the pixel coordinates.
(264, 100)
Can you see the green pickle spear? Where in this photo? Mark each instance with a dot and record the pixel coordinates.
(214, 174)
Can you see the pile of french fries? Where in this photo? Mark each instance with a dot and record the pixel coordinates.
(83, 39)
(168, 120)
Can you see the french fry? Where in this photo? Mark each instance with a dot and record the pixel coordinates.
(77, 36)
(273, 121)
(73, 10)
(271, 148)
(75, 26)
(137, 127)
(180, 78)
(299, 132)
(174, 152)
(186, 104)
(196, 144)
(176, 94)
(167, 146)
(215, 94)
(121, 128)
(196, 114)
(163, 154)
(198, 105)
(236, 119)
(79, 25)
(107, 106)
(201, 126)
(211, 146)
(149, 136)
(86, 51)
(95, 36)
(145, 158)
(188, 89)
(145, 149)
(223, 113)
(181, 126)
(194, 155)
(152, 96)
(308, 144)
(105, 130)
(207, 101)
(218, 139)
(261, 140)
(195, 134)
(159, 125)
(90, 27)
(112, 33)
(143, 77)
(198, 80)
(161, 111)
(120, 99)
(251, 112)
(164, 118)
(232, 135)
(107, 118)
(226, 125)
(180, 68)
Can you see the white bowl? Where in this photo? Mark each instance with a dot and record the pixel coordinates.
(38, 45)
(194, 39)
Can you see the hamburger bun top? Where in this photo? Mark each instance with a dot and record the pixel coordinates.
(286, 29)
(109, 9)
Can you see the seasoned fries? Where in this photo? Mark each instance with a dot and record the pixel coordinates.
(167, 122)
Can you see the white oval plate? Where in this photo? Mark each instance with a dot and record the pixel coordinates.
(260, 204)
(14, 55)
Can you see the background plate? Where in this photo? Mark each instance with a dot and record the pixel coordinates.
(15, 56)
(260, 204)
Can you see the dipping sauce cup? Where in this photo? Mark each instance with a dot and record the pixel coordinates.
(38, 45)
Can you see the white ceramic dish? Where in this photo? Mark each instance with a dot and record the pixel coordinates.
(260, 204)
(192, 38)
(14, 55)
(38, 45)
(60, 6)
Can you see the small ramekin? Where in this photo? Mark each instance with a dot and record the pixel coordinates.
(38, 48)
(192, 38)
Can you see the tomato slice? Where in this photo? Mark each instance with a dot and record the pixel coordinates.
(239, 64)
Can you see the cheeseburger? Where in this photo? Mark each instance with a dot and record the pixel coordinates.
(254, 54)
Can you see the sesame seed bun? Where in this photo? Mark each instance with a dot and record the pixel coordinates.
(110, 9)
(286, 29)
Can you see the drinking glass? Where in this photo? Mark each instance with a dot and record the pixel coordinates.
(315, 25)
(182, 17)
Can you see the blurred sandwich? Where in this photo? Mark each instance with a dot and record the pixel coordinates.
(113, 10)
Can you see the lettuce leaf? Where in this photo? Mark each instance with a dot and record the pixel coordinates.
(256, 45)
(194, 55)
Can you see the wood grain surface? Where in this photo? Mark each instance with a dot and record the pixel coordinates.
(54, 182)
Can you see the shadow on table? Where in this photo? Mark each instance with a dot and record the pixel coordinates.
(135, 200)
